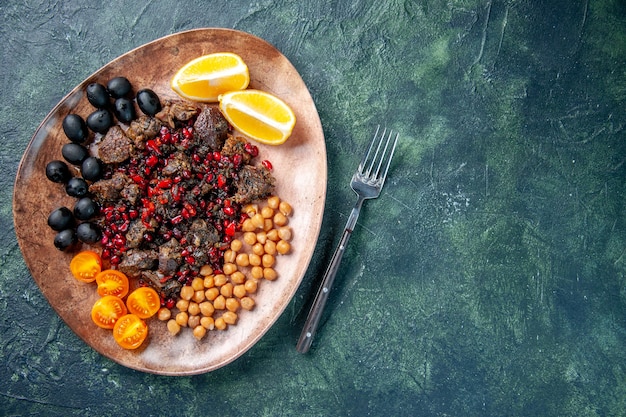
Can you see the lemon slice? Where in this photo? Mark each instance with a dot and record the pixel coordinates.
(205, 78)
(259, 115)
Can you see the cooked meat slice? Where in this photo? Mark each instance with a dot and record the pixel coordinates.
(135, 261)
(210, 129)
(170, 257)
(177, 111)
(136, 231)
(202, 234)
(177, 164)
(254, 183)
(236, 145)
(131, 192)
(109, 189)
(143, 129)
(168, 289)
(115, 146)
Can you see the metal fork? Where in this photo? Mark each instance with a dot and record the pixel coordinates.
(367, 182)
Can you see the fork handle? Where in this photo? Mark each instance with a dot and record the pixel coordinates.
(315, 314)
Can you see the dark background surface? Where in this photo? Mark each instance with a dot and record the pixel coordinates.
(489, 278)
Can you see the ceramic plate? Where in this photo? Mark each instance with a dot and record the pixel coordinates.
(299, 168)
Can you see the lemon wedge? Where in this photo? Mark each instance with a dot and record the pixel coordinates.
(205, 78)
(259, 115)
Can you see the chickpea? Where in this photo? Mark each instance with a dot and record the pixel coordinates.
(261, 237)
(229, 256)
(249, 238)
(186, 292)
(206, 308)
(219, 303)
(230, 317)
(209, 281)
(242, 259)
(254, 259)
(164, 314)
(193, 321)
(270, 274)
(238, 277)
(273, 202)
(239, 291)
(206, 270)
(182, 318)
(182, 305)
(257, 221)
(207, 322)
(256, 272)
(251, 285)
(198, 296)
(173, 327)
(197, 284)
(270, 247)
(193, 309)
(250, 209)
(229, 268)
(283, 247)
(212, 293)
(199, 332)
(232, 304)
(227, 290)
(273, 235)
(267, 212)
(220, 324)
(280, 219)
(220, 280)
(236, 245)
(285, 208)
(268, 260)
(247, 303)
(257, 249)
(268, 225)
(248, 226)
(284, 233)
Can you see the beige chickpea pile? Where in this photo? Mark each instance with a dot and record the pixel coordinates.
(213, 300)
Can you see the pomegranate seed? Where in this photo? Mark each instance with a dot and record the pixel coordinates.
(152, 145)
(267, 164)
(230, 229)
(152, 161)
(221, 181)
(177, 219)
(229, 211)
(251, 149)
(166, 183)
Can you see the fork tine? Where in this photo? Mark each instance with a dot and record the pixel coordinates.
(393, 149)
(377, 142)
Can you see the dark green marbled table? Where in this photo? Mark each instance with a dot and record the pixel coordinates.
(489, 279)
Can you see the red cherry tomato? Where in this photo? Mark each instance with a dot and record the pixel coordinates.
(85, 265)
(107, 310)
(144, 302)
(112, 282)
(130, 331)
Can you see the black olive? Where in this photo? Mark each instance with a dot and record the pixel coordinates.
(100, 121)
(64, 239)
(119, 87)
(61, 219)
(57, 171)
(85, 208)
(75, 128)
(91, 169)
(124, 110)
(76, 187)
(148, 102)
(74, 153)
(88, 233)
(98, 95)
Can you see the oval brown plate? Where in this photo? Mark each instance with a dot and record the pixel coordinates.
(299, 168)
